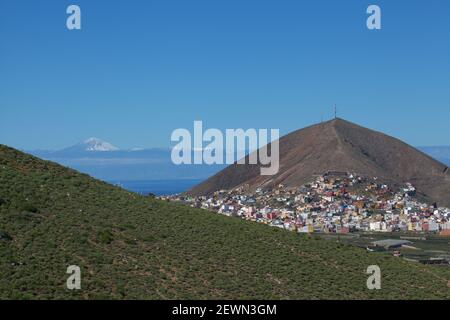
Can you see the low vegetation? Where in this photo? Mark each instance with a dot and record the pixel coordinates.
(135, 247)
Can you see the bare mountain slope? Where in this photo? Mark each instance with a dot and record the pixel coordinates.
(341, 146)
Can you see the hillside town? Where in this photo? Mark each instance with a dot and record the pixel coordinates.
(335, 202)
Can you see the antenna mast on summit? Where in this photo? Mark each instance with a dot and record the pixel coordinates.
(335, 111)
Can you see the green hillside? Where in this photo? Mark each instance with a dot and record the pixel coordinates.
(135, 247)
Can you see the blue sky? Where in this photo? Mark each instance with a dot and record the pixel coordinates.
(140, 69)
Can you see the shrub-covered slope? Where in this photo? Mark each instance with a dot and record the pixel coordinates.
(135, 247)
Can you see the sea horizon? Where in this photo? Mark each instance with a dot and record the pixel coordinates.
(158, 187)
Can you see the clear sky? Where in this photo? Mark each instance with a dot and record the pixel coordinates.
(137, 70)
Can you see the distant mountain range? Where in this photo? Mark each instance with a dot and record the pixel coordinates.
(105, 161)
(339, 145)
(441, 153)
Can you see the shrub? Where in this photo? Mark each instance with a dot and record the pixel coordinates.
(5, 236)
(105, 236)
(28, 207)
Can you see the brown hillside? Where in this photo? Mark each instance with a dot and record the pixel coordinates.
(342, 146)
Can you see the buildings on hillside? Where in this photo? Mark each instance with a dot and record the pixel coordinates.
(335, 202)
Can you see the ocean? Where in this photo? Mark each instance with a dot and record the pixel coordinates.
(157, 187)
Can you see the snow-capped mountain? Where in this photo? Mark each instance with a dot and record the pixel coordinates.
(93, 144)
(96, 144)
